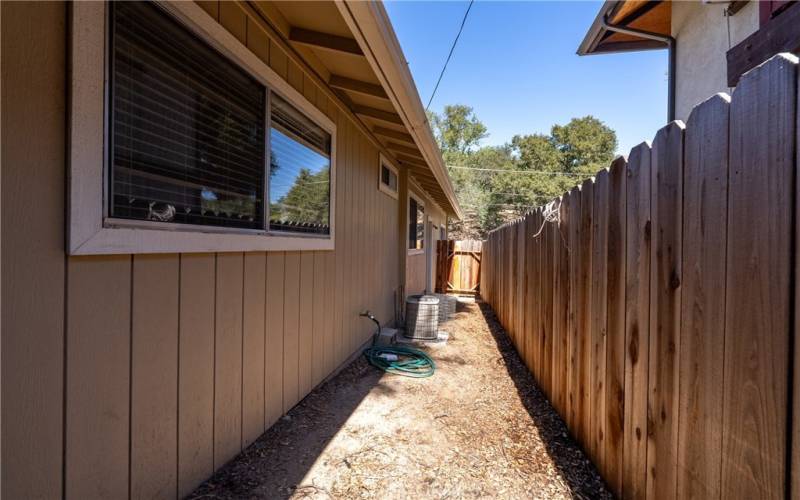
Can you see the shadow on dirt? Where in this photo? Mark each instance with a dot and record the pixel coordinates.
(276, 463)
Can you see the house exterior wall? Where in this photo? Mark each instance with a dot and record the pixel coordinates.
(701, 33)
(139, 375)
(417, 278)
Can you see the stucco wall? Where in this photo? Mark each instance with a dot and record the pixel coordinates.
(138, 375)
(701, 31)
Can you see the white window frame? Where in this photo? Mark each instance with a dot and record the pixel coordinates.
(90, 231)
(420, 202)
(384, 162)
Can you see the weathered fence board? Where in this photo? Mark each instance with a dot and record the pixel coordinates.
(519, 293)
(546, 378)
(531, 311)
(665, 295)
(584, 338)
(598, 322)
(574, 297)
(705, 206)
(615, 329)
(561, 309)
(757, 312)
(637, 322)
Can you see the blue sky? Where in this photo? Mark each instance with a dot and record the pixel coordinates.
(515, 64)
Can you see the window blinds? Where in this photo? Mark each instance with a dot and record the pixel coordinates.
(187, 129)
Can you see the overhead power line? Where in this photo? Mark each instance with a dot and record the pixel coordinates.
(540, 172)
(452, 48)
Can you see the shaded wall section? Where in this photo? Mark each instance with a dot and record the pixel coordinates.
(139, 375)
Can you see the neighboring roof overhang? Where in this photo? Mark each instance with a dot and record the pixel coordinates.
(352, 49)
(653, 16)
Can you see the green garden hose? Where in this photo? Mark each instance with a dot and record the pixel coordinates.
(409, 362)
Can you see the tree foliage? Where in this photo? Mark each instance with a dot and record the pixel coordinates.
(307, 202)
(490, 197)
(457, 129)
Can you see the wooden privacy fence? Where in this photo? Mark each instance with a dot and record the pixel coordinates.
(458, 266)
(658, 313)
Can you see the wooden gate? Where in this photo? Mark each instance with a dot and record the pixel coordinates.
(458, 266)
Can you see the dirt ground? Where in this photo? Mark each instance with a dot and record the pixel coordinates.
(479, 428)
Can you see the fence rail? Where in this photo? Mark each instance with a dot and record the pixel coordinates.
(658, 313)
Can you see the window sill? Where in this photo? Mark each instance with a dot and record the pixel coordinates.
(388, 192)
(128, 240)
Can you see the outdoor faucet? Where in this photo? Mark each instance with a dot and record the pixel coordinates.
(367, 314)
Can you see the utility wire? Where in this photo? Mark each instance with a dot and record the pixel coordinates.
(540, 172)
(449, 55)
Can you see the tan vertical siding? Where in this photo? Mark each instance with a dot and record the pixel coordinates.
(291, 320)
(255, 269)
(228, 358)
(173, 362)
(98, 378)
(305, 324)
(33, 267)
(196, 371)
(154, 376)
(318, 320)
(274, 336)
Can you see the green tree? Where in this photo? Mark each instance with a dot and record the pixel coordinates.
(540, 167)
(586, 144)
(457, 130)
(306, 201)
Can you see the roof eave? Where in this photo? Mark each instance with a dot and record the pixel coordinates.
(372, 29)
(596, 29)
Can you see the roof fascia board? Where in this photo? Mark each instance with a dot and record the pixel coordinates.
(370, 25)
(595, 30)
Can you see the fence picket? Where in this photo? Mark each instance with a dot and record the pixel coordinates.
(584, 339)
(637, 322)
(665, 295)
(705, 199)
(757, 311)
(615, 325)
(598, 323)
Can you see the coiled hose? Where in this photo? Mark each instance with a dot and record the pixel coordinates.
(410, 362)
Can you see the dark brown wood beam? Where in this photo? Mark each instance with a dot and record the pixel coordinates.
(379, 114)
(419, 169)
(779, 34)
(393, 134)
(418, 172)
(412, 161)
(403, 149)
(426, 185)
(370, 89)
(424, 179)
(325, 40)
